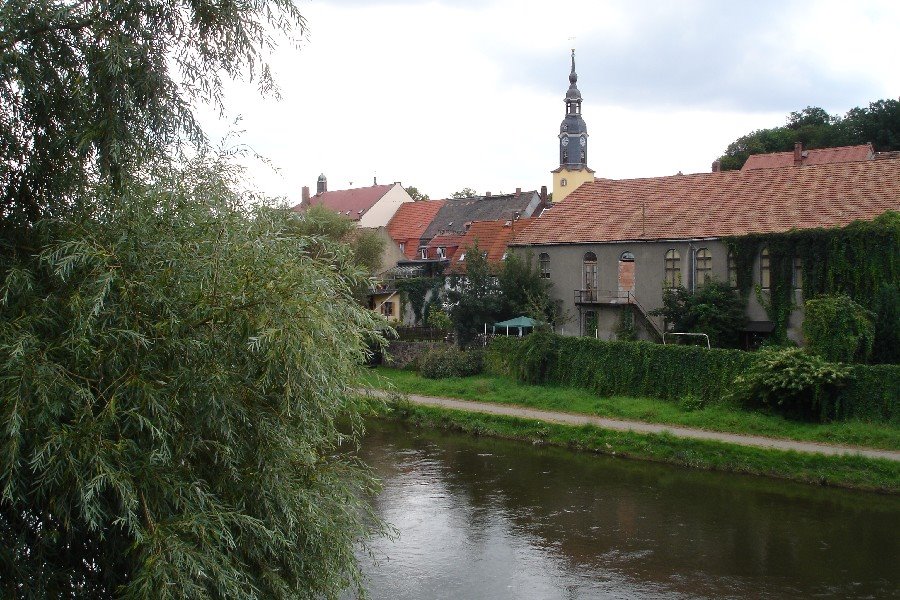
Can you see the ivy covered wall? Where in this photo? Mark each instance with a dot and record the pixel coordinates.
(861, 260)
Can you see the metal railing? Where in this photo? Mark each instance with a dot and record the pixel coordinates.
(617, 297)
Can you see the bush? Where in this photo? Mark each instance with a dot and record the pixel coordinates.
(442, 363)
(794, 382)
(838, 329)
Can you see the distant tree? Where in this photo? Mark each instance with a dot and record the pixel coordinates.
(522, 289)
(415, 194)
(838, 329)
(714, 309)
(879, 123)
(474, 298)
(466, 192)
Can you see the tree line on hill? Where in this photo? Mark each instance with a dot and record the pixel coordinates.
(878, 123)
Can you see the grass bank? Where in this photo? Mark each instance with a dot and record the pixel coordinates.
(717, 417)
(840, 471)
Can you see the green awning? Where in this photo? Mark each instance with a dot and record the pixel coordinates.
(518, 322)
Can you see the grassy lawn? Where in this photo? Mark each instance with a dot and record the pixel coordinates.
(719, 417)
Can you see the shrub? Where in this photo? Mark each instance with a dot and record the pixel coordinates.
(714, 309)
(450, 361)
(794, 382)
(838, 329)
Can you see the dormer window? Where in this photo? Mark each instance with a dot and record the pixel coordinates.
(423, 253)
(441, 252)
(402, 246)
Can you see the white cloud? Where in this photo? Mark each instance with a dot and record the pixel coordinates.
(446, 95)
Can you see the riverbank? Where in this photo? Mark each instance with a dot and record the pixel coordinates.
(719, 417)
(845, 471)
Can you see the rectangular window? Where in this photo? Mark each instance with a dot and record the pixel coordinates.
(544, 260)
(765, 275)
(423, 253)
(387, 309)
(673, 269)
(732, 271)
(704, 265)
(798, 273)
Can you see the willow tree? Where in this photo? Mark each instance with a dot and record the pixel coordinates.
(176, 370)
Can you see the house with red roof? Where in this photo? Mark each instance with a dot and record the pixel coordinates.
(407, 226)
(615, 245)
(800, 157)
(492, 238)
(371, 206)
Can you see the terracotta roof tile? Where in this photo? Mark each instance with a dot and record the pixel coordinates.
(493, 238)
(353, 203)
(819, 156)
(410, 222)
(711, 205)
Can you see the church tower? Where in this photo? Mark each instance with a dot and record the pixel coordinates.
(573, 138)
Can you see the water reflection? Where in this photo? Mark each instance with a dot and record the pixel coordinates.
(484, 518)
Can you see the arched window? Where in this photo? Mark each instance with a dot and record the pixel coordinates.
(765, 274)
(673, 269)
(544, 260)
(627, 257)
(704, 265)
(589, 271)
(798, 273)
(732, 270)
(563, 182)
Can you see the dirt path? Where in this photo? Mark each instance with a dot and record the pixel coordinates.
(642, 427)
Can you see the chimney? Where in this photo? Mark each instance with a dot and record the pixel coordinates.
(321, 184)
(518, 191)
(544, 194)
(798, 154)
(716, 166)
(304, 198)
(487, 194)
(375, 180)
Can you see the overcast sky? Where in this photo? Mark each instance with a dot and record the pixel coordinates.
(450, 94)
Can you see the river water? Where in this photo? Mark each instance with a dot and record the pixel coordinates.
(485, 518)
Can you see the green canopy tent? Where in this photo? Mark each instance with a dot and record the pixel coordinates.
(519, 323)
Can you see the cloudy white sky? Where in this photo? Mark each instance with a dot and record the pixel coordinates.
(449, 94)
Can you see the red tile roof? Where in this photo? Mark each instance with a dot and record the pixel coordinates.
(352, 203)
(410, 222)
(711, 205)
(819, 156)
(492, 237)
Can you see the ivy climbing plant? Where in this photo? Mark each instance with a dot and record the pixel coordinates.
(415, 290)
(861, 260)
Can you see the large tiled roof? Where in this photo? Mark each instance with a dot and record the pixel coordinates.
(818, 156)
(492, 237)
(353, 203)
(456, 212)
(410, 222)
(711, 205)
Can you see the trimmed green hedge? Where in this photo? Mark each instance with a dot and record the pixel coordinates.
(670, 372)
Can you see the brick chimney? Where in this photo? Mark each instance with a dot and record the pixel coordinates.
(544, 194)
(487, 194)
(798, 154)
(304, 198)
(716, 166)
(518, 191)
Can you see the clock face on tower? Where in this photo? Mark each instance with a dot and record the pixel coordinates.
(565, 142)
(583, 142)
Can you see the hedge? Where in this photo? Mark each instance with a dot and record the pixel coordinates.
(670, 372)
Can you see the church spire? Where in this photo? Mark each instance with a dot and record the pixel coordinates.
(573, 76)
(573, 130)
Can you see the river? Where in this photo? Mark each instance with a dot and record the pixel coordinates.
(486, 518)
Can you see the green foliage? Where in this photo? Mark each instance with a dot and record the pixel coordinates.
(89, 89)
(174, 397)
(792, 381)
(474, 298)
(861, 260)
(714, 309)
(416, 290)
(621, 368)
(522, 290)
(838, 329)
(335, 238)
(466, 192)
(415, 194)
(626, 330)
(449, 361)
(641, 369)
(878, 123)
(438, 319)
